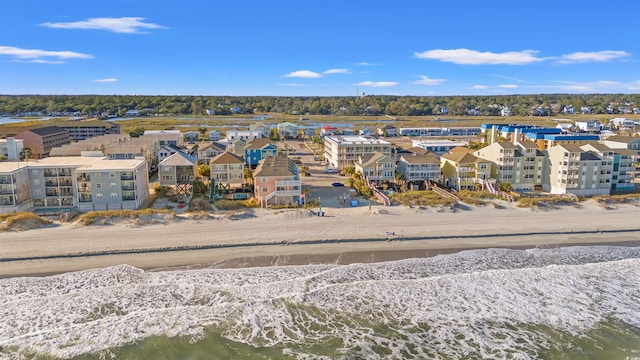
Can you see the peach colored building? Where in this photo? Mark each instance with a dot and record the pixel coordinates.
(277, 181)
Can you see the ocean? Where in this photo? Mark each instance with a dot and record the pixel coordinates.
(580, 302)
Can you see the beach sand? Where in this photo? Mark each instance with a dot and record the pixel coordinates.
(260, 237)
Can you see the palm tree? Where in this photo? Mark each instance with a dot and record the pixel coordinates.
(26, 153)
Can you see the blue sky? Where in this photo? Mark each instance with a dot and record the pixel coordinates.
(318, 47)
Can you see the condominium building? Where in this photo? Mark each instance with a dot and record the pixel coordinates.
(578, 171)
(14, 187)
(42, 140)
(520, 164)
(343, 151)
(87, 183)
(80, 130)
(11, 148)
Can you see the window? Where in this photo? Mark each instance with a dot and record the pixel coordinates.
(99, 196)
(37, 192)
(113, 185)
(35, 172)
(36, 182)
(98, 175)
(114, 195)
(112, 175)
(98, 186)
(265, 189)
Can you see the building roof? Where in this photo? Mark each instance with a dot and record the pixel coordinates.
(87, 123)
(528, 144)
(276, 166)
(125, 149)
(259, 143)
(370, 159)
(600, 147)
(178, 159)
(48, 130)
(11, 166)
(622, 139)
(462, 157)
(507, 144)
(571, 148)
(589, 156)
(429, 158)
(227, 158)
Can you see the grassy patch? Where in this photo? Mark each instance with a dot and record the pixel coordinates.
(525, 202)
(21, 221)
(617, 199)
(421, 198)
(224, 204)
(475, 197)
(93, 217)
(199, 204)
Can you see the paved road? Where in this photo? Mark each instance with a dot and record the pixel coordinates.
(320, 183)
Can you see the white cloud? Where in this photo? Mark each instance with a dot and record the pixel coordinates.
(41, 56)
(473, 57)
(337, 71)
(366, 64)
(304, 74)
(107, 80)
(128, 25)
(508, 86)
(579, 88)
(425, 80)
(635, 85)
(508, 77)
(596, 56)
(479, 87)
(291, 85)
(378, 83)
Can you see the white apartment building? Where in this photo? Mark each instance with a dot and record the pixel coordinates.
(576, 171)
(11, 148)
(343, 151)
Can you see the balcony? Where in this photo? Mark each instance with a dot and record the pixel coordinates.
(84, 198)
(84, 178)
(50, 183)
(86, 189)
(126, 177)
(128, 187)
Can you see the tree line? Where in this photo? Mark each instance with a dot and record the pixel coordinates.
(118, 105)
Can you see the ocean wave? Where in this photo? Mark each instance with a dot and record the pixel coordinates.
(480, 303)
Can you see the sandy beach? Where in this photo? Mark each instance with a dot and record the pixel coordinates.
(259, 237)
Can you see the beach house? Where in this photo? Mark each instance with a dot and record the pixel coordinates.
(227, 173)
(376, 167)
(418, 168)
(178, 171)
(277, 181)
(461, 170)
(258, 149)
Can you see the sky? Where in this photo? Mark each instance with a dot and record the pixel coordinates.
(318, 47)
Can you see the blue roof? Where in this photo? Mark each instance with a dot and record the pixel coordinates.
(554, 137)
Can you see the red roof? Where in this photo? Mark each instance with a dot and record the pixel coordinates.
(329, 127)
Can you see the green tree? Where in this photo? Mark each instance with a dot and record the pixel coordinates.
(204, 171)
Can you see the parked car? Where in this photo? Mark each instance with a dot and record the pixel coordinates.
(337, 184)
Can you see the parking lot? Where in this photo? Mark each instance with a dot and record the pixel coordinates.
(319, 182)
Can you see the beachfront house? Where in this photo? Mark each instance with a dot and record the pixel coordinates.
(277, 181)
(461, 170)
(418, 168)
(227, 173)
(208, 151)
(178, 171)
(258, 149)
(376, 167)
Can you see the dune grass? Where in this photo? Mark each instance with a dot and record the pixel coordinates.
(21, 221)
(421, 198)
(92, 217)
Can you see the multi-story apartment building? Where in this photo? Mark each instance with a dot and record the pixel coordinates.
(277, 181)
(42, 140)
(343, 151)
(11, 148)
(80, 130)
(14, 187)
(88, 183)
(578, 171)
(520, 164)
(620, 163)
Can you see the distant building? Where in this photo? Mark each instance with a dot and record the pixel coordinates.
(80, 130)
(11, 148)
(343, 151)
(42, 140)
